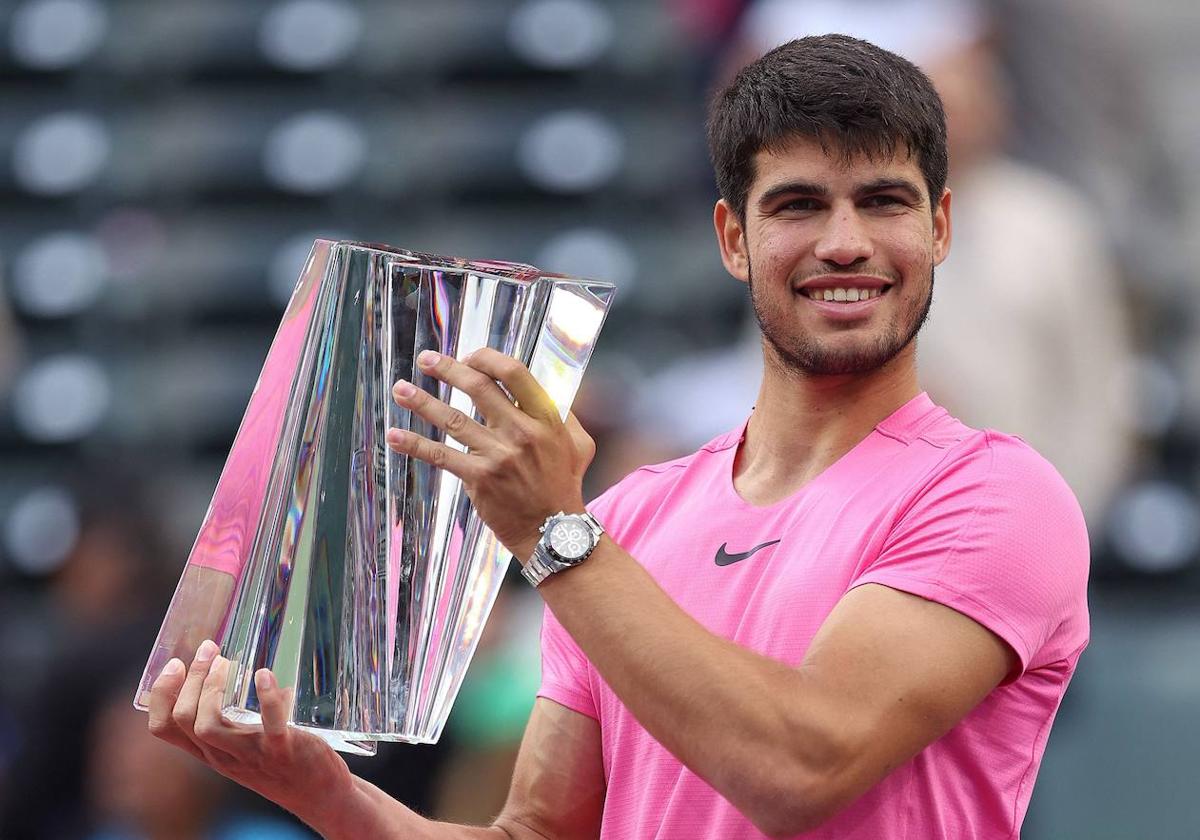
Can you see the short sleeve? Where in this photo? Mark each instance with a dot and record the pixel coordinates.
(566, 672)
(999, 537)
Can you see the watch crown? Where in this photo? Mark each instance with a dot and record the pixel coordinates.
(546, 524)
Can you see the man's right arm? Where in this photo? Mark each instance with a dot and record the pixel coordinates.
(557, 791)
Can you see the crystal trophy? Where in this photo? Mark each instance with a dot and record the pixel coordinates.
(363, 578)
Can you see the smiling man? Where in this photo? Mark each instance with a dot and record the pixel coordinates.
(850, 617)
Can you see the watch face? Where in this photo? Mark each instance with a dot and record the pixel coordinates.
(570, 539)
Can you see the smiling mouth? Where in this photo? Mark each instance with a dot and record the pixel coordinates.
(848, 294)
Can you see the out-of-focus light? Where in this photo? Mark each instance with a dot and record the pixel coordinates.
(54, 34)
(592, 253)
(560, 34)
(1155, 399)
(61, 399)
(571, 151)
(1155, 527)
(314, 152)
(919, 30)
(58, 275)
(133, 239)
(288, 261)
(60, 153)
(309, 35)
(41, 530)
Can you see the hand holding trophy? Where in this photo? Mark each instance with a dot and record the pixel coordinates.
(521, 465)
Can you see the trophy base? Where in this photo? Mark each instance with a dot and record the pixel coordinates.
(347, 742)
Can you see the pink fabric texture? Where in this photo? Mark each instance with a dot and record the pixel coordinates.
(975, 520)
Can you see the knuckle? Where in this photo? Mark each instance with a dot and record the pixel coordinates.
(276, 743)
(475, 382)
(507, 461)
(206, 729)
(184, 718)
(586, 446)
(522, 437)
(437, 456)
(160, 727)
(456, 421)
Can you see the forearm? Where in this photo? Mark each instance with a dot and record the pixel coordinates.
(744, 723)
(369, 812)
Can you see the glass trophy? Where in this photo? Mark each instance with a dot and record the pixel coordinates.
(363, 578)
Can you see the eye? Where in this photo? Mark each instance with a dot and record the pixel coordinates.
(801, 205)
(883, 200)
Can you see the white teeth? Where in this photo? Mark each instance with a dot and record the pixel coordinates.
(844, 295)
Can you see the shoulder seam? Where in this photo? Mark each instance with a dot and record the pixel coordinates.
(659, 469)
(683, 461)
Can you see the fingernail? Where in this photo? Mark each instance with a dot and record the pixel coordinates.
(208, 649)
(403, 389)
(264, 680)
(428, 358)
(173, 668)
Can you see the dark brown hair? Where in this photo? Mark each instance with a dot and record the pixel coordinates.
(849, 95)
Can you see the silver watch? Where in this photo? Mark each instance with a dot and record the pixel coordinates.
(567, 540)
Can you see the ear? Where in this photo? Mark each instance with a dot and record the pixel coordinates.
(731, 237)
(942, 228)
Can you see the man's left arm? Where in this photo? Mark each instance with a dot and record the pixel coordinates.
(887, 674)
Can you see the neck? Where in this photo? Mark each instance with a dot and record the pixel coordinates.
(802, 424)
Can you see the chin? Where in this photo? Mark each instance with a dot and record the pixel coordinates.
(834, 358)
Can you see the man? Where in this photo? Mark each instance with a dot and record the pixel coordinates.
(1054, 335)
(852, 617)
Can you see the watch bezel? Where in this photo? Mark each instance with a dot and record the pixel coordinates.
(553, 522)
(546, 561)
(572, 521)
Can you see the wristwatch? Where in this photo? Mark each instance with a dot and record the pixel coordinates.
(567, 540)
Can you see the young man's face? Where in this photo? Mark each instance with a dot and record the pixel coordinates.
(862, 233)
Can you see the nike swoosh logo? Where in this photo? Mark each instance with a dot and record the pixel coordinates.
(724, 558)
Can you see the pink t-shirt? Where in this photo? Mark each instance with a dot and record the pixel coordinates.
(975, 520)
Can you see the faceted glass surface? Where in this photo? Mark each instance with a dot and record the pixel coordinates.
(362, 578)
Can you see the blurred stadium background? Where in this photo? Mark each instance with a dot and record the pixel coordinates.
(165, 166)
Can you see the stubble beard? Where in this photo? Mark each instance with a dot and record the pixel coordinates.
(802, 354)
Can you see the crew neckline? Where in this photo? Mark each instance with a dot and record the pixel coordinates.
(905, 425)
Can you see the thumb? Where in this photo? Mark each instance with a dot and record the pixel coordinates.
(274, 703)
(584, 445)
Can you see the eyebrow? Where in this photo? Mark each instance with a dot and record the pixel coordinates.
(793, 188)
(914, 193)
(808, 188)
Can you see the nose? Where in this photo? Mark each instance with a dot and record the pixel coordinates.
(844, 240)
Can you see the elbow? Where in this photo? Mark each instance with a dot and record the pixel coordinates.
(791, 813)
(797, 799)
